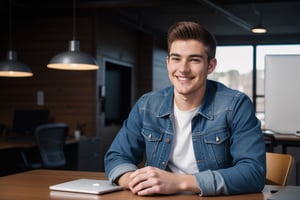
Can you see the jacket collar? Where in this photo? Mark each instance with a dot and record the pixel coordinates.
(207, 106)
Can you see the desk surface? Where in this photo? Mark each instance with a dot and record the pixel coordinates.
(35, 184)
(21, 142)
(281, 137)
(285, 140)
(24, 142)
(287, 137)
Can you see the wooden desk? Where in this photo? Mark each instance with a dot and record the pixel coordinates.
(14, 149)
(34, 185)
(7, 143)
(285, 140)
(24, 142)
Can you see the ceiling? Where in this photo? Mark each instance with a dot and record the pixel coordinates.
(224, 18)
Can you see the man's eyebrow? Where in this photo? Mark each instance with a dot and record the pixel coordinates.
(196, 55)
(174, 54)
(192, 55)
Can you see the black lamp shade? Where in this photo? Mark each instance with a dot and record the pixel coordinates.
(259, 29)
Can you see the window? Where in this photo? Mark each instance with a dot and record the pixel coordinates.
(234, 67)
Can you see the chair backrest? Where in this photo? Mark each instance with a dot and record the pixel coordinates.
(279, 167)
(50, 139)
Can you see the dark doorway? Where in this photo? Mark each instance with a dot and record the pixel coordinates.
(117, 93)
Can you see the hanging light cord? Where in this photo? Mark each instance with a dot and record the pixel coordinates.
(258, 13)
(74, 22)
(10, 25)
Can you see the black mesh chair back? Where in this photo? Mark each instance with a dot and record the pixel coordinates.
(50, 139)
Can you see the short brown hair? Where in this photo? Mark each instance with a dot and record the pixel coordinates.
(186, 30)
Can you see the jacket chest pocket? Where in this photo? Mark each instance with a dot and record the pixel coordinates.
(153, 139)
(218, 147)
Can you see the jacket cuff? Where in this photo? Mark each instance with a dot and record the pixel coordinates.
(210, 183)
(119, 170)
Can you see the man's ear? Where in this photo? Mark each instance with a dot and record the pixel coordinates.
(212, 65)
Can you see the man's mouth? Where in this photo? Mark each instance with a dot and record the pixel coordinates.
(183, 78)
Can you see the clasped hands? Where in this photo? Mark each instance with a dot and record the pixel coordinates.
(151, 180)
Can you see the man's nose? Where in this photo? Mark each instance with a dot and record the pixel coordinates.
(184, 66)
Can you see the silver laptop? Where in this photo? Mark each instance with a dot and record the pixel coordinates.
(90, 186)
(287, 193)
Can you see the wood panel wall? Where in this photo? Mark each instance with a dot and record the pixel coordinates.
(68, 95)
(71, 96)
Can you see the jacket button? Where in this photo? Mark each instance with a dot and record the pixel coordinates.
(150, 136)
(163, 163)
(217, 139)
(167, 140)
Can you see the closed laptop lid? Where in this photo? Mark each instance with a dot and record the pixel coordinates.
(286, 193)
(90, 186)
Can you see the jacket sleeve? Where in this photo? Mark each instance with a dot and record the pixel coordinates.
(248, 171)
(126, 150)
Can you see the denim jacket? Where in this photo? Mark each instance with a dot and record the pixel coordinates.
(227, 140)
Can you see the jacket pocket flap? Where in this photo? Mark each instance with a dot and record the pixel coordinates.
(217, 137)
(152, 135)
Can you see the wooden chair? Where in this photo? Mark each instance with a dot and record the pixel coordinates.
(279, 167)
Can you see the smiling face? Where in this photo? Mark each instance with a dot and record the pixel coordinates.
(188, 67)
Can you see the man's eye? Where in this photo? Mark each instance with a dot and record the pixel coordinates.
(175, 59)
(195, 60)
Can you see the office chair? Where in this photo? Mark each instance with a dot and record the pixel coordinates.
(50, 141)
(279, 167)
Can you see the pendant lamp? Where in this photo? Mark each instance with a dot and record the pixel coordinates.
(11, 67)
(259, 28)
(73, 59)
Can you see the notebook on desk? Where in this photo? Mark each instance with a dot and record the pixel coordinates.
(287, 193)
(89, 186)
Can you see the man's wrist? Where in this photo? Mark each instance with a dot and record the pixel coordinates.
(123, 180)
(189, 183)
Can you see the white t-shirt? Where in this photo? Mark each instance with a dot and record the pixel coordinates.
(182, 159)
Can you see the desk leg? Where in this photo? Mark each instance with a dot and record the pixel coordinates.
(284, 151)
(284, 147)
(297, 173)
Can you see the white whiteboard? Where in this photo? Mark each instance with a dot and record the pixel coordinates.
(282, 93)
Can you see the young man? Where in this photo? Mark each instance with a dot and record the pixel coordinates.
(197, 135)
